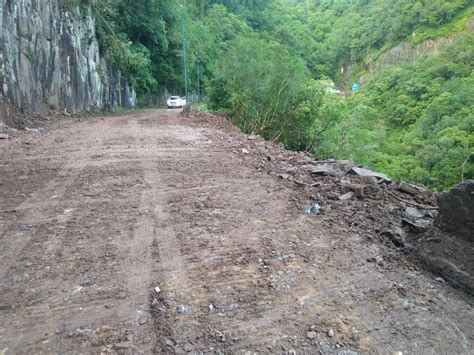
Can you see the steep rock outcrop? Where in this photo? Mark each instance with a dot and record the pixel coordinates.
(49, 59)
(406, 52)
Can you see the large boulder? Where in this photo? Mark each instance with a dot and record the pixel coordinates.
(448, 248)
(456, 210)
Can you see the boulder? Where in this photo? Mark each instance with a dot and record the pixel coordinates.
(337, 168)
(396, 235)
(415, 212)
(456, 211)
(328, 170)
(369, 173)
(411, 189)
(448, 248)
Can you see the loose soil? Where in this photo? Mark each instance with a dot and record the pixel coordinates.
(153, 232)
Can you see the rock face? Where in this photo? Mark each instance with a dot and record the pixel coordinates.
(49, 59)
(448, 248)
(405, 52)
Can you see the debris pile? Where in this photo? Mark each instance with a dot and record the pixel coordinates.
(399, 213)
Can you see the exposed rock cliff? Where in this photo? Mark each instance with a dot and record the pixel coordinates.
(49, 59)
(405, 53)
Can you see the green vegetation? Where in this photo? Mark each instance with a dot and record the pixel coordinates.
(263, 62)
(456, 25)
(355, 30)
(271, 95)
(414, 121)
(140, 39)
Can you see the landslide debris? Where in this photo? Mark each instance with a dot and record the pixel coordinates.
(402, 215)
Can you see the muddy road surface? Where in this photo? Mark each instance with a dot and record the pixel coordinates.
(155, 233)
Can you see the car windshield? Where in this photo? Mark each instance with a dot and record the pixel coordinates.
(174, 98)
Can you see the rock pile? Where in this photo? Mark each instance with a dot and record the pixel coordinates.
(402, 215)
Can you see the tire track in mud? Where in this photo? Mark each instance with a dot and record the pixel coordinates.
(210, 255)
(170, 267)
(34, 210)
(222, 250)
(72, 239)
(37, 215)
(154, 248)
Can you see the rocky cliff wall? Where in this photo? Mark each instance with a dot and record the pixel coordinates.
(49, 60)
(405, 53)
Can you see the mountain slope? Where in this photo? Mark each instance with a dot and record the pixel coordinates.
(266, 64)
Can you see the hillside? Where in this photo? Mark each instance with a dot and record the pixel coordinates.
(263, 63)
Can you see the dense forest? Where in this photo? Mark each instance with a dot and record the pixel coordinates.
(268, 65)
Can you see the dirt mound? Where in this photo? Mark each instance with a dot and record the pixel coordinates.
(215, 120)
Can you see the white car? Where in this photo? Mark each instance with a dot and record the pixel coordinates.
(176, 102)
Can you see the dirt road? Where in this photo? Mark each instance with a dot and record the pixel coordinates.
(96, 214)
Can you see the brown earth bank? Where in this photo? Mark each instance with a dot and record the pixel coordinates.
(153, 232)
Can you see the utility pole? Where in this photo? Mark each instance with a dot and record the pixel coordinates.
(185, 61)
(198, 79)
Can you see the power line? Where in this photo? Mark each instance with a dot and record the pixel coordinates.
(104, 21)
